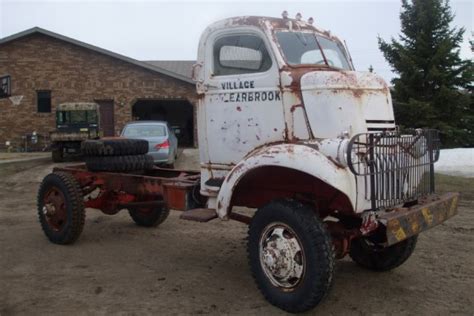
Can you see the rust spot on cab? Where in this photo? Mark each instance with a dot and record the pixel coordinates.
(294, 107)
(335, 162)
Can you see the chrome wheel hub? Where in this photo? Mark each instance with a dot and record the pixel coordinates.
(281, 256)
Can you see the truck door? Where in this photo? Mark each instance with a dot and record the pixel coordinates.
(242, 106)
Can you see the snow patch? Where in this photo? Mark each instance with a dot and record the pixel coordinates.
(456, 162)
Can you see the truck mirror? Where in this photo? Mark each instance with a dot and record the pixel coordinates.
(195, 72)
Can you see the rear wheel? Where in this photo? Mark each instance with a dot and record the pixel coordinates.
(61, 208)
(290, 255)
(149, 217)
(373, 257)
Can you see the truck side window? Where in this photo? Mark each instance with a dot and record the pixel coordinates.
(240, 54)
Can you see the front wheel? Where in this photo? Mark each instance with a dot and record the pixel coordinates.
(290, 255)
(373, 257)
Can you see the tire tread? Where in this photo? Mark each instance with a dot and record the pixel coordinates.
(157, 217)
(114, 147)
(383, 260)
(75, 200)
(120, 163)
(319, 237)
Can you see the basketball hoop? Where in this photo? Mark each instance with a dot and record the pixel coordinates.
(16, 99)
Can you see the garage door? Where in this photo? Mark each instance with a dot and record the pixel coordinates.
(178, 113)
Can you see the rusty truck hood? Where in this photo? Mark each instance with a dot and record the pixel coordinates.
(340, 101)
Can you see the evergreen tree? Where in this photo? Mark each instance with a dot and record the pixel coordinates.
(435, 85)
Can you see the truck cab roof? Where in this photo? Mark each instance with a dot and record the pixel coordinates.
(271, 23)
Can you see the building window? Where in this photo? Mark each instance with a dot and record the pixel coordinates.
(5, 87)
(44, 101)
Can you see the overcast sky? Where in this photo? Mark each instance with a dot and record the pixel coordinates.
(170, 30)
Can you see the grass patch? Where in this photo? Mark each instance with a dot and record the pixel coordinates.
(465, 186)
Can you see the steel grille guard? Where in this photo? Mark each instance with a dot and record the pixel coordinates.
(395, 168)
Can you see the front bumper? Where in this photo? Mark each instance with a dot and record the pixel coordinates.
(403, 223)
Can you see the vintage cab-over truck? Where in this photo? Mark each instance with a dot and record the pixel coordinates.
(288, 128)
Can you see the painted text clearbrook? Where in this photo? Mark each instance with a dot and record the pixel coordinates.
(250, 96)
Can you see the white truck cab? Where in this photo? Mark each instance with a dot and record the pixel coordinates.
(272, 90)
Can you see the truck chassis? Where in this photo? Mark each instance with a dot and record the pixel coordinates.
(277, 253)
(160, 188)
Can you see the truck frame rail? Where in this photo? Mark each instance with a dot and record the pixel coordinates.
(110, 191)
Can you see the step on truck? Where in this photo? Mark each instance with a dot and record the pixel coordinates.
(288, 129)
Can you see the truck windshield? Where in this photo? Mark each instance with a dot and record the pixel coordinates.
(302, 48)
(65, 117)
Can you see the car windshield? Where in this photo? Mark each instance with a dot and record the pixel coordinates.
(302, 48)
(65, 117)
(156, 130)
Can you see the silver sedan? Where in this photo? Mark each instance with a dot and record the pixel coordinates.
(162, 143)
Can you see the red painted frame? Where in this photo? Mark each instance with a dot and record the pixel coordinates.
(116, 191)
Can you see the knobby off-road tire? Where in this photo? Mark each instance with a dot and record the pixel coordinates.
(114, 147)
(375, 258)
(149, 217)
(61, 208)
(119, 163)
(295, 224)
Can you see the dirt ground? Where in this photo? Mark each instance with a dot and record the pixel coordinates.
(192, 268)
(9, 156)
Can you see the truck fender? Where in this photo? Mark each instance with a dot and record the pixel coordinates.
(293, 156)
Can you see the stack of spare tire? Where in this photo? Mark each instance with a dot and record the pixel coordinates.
(116, 154)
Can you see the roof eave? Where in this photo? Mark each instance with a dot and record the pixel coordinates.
(135, 62)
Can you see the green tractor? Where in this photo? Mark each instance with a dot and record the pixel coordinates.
(75, 122)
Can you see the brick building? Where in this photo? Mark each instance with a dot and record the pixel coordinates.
(40, 69)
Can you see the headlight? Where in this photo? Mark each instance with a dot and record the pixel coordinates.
(337, 150)
(349, 156)
(342, 153)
